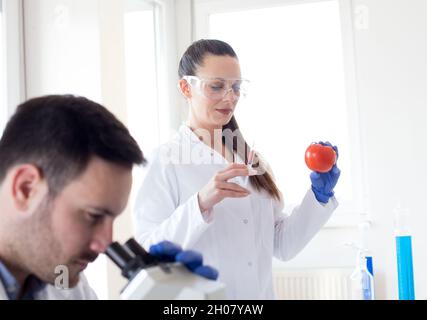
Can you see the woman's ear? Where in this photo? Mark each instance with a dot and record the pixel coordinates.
(28, 187)
(185, 88)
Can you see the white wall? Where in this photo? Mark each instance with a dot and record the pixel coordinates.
(62, 47)
(392, 90)
(392, 73)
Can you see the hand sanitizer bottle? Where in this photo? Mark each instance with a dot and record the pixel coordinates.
(362, 281)
(362, 278)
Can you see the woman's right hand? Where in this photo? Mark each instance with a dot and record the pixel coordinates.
(218, 188)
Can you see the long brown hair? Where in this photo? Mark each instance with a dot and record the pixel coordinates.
(259, 182)
(193, 58)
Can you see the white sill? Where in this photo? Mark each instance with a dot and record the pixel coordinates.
(346, 220)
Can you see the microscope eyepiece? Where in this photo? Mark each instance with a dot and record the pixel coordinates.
(137, 250)
(130, 258)
(119, 255)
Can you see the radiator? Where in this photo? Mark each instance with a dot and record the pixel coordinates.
(312, 284)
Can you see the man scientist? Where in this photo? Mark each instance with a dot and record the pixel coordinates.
(65, 175)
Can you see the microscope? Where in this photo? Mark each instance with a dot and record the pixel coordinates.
(151, 279)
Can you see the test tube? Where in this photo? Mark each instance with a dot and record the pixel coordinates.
(250, 160)
(405, 272)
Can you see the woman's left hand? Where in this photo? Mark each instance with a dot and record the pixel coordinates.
(323, 184)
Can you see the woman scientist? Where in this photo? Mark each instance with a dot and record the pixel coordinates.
(194, 192)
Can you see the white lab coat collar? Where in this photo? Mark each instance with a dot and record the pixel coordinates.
(185, 131)
(187, 137)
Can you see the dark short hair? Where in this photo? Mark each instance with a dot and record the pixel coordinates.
(197, 51)
(60, 133)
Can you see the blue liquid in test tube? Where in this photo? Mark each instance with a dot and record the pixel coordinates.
(405, 270)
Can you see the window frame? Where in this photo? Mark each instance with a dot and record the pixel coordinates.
(166, 61)
(14, 58)
(357, 211)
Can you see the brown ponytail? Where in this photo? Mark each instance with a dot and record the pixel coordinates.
(259, 182)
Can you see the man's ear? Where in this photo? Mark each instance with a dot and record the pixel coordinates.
(185, 88)
(28, 187)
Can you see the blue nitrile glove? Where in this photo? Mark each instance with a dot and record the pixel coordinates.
(323, 184)
(171, 252)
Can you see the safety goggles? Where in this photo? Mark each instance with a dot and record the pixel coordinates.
(218, 88)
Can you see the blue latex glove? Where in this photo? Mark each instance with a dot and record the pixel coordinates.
(170, 252)
(323, 184)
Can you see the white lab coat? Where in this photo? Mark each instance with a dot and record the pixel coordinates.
(239, 236)
(80, 292)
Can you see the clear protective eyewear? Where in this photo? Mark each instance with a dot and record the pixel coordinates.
(218, 88)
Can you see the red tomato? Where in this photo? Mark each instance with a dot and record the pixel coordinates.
(320, 158)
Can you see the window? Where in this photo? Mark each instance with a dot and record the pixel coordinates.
(135, 30)
(136, 27)
(151, 77)
(294, 56)
(141, 77)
